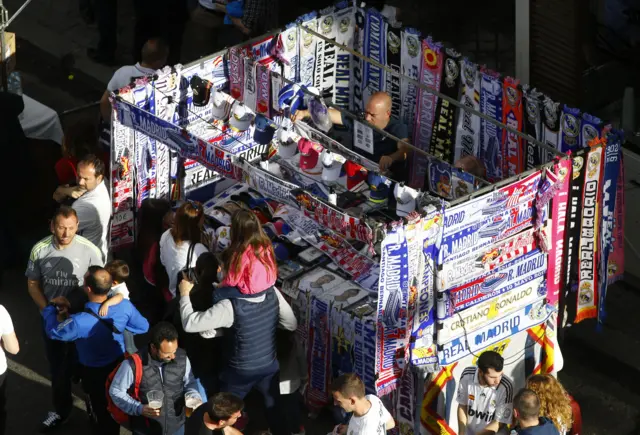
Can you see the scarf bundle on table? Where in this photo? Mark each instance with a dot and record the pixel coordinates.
(589, 236)
(556, 232)
(443, 136)
(615, 265)
(307, 44)
(325, 70)
(375, 47)
(491, 134)
(590, 129)
(393, 295)
(319, 343)
(468, 127)
(609, 189)
(394, 61)
(346, 33)
(534, 155)
(570, 123)
(423, 351)
(576, 188)
(512, 153)
(357, 78)
(410, 59)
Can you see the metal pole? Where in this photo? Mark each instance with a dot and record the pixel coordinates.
(435, 92)
(3, 66)
(24, 5)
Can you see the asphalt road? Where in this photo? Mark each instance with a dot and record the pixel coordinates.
(605, 387)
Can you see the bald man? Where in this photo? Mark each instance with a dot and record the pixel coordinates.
(472, 165)
(154, 57)
(390, 155)
(526, 412)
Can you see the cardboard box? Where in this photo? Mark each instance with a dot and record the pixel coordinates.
(10, 51)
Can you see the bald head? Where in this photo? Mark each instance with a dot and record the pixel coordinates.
(378, 110)
(472, 165)
(527, 405)
(155, 53)
(98, 281)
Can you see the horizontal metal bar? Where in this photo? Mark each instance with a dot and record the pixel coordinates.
(434, 92)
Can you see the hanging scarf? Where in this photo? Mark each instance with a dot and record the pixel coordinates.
(615, 265)
(346, 32)
(535, 156)
(591, 128)
(307, 48)
(570, 129)
(394, 60)
(512, 155)
(357, 78)
(410, 59)
(468, 126)
(443, 137)
(491, 134)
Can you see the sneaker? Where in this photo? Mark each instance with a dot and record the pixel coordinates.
(52, 422)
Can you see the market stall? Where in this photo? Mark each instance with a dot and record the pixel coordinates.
(405, 284)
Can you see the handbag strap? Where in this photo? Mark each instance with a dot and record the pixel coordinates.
(109, 325)
(192, 246)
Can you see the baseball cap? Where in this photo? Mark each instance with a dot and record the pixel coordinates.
(201, 90)
(281, 250)
(220, 107)
(287, 145)
(264, 131)
(331, 165)
(291, 97)
(406, 199)
(320, 114)
(240, 118)
(309, 153)
(356, 174)
(270, 230)
(223, 238)
(379, 187)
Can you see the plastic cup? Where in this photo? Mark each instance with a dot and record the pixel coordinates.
(191, 403)
(155, 399)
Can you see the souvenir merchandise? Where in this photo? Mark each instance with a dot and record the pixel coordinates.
(512, 153)
(286, 270)
(364, 351)
(345, 19)
(319, 348)
(590, 129)
(375, 47)
(310, 255)
(289, 54)
(410, 60)
(615, 264)
(490, 133)
(443, 137)
(430, 75)
(236, 71)
(346, 295)
(406, 406)
(394, 60)
(570, 126)
(356, 175)
(405, 199)
(342, 341)
(264, 130)
(534, 155)
(325, 69)
(551, 112)
(331, 165)
(307, 48)
(286, 142)
(309, 156)
(468, 125)
(379, 187)
(241, 118)
(357, 77)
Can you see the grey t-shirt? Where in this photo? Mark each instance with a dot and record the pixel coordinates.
(61, 270)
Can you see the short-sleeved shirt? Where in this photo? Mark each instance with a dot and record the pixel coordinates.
(195, 424)
(61, 270)
(94, 211)
(6, 327)
(382, 145)
(484, 404)
(374, 422)
(122, 77)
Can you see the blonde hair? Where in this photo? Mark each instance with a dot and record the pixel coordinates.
(554, 400)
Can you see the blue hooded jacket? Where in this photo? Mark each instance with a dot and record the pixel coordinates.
(544, 427)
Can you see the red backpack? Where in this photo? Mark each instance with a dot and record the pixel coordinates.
(134, 391)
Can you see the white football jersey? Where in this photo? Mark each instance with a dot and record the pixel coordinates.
(484, 404)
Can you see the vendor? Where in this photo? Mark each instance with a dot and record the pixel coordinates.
(390, 155)
(472, 165)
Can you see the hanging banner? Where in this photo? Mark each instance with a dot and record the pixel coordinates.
(491, 134)
(375, 47)
(609, 189)
(535, 156)
(393, 298)
(503, 279)
(145, 149)
(430, 76)
(357, 78)
(290, 52)
(410, 59)
(468, 125)
(423, 351)
(557, 225)
(551, 125)
(589, 233)
(615, 265)
(269, 184)
(122, 173)
(482, 261)
(512, 153)
(307, 48)
(394, 60)
(166, 92)
(590, 129)
(250, 93)
(318, 354)
(263, 103)
(490, 311)
(406, 403)
(523, 319)
(443, 137)
(346, 32)
(570, 124)
(237, 55)
(364, 351)
(325, 73)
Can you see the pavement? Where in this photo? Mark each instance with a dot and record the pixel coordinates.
(601, 370)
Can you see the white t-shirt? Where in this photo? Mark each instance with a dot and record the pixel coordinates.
(121, 289)
(6, 327)
(94, 212)
(122, 77)
(174, 258)
(484, 404)
(373, 422)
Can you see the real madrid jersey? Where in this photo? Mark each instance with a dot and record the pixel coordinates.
(484, 404)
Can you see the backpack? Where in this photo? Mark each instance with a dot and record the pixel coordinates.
(134, 391)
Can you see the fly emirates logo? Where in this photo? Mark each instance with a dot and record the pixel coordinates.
(62, 279)
(482, 415)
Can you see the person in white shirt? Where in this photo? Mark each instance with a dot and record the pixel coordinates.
(370, 417)
(154, 57)
(10, 344)
(92, 202)
(485, 397)
(175, 242)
